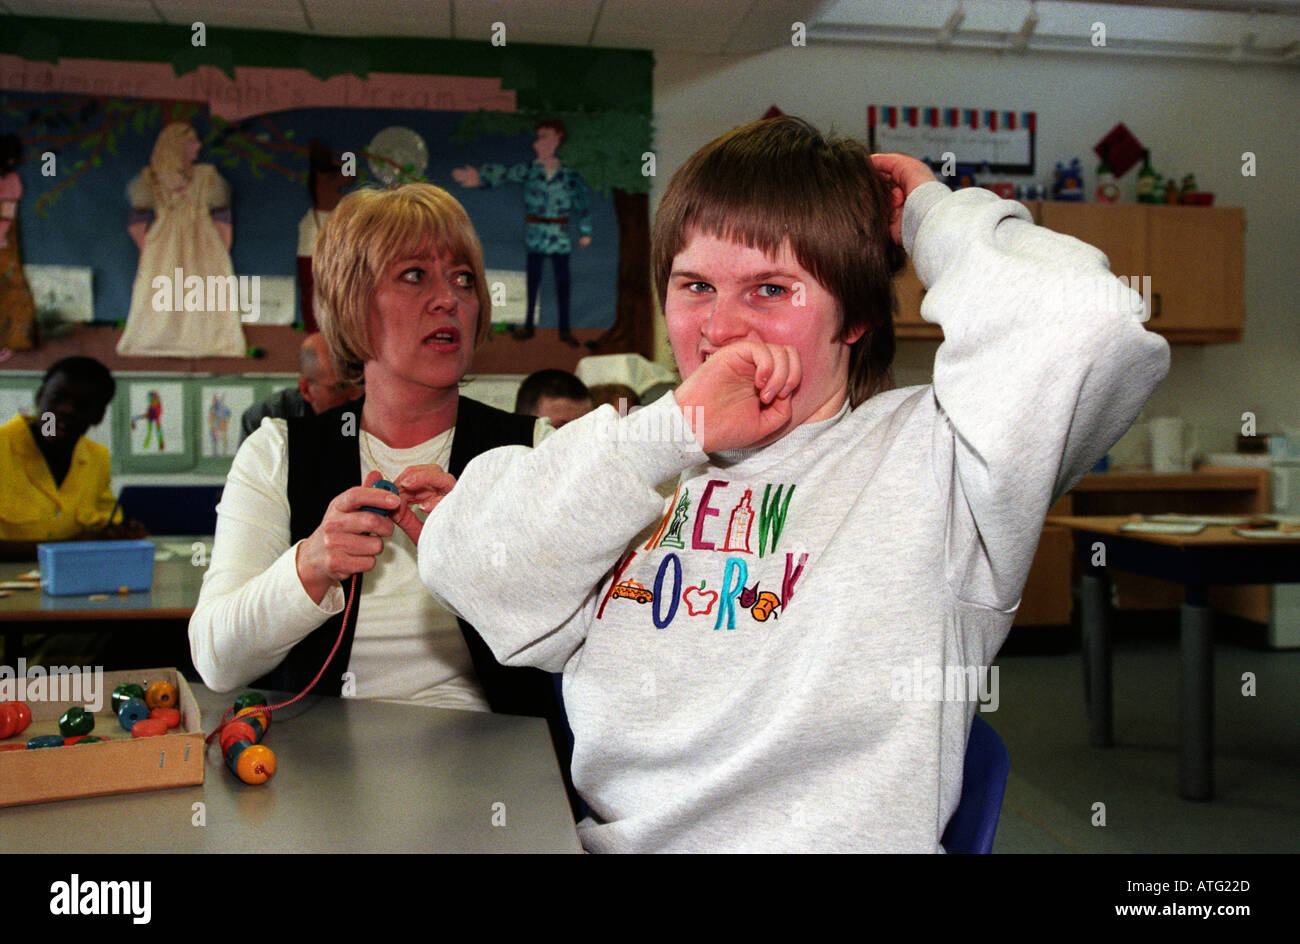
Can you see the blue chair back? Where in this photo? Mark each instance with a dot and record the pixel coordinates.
(173, 509)
(984, 782)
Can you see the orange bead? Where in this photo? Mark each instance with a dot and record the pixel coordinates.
(261, 714)
(160, 695)
(256, 764)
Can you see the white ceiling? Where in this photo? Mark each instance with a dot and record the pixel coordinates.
(1244, 31)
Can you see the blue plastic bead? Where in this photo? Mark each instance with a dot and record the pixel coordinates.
(233, 752)
(45, 740)
(386, 486)
(132, 710)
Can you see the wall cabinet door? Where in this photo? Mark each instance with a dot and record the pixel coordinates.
(1193, 256)
(1197, 267)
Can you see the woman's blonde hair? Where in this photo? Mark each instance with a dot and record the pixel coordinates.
(366, 233)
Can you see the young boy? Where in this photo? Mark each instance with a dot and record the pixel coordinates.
(732, 656)
(555, 394)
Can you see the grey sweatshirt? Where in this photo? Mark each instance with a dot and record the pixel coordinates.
(786, 653)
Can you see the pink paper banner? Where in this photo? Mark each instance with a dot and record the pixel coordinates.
(255, 90)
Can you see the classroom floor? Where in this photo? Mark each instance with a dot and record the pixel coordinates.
(1056, 777)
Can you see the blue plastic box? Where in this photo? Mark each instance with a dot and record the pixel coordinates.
(95, 566)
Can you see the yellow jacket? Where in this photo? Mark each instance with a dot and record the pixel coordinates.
(31, 508)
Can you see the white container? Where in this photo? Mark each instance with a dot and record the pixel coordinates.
(1171, 445)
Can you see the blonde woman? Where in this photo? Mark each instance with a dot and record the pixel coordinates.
(180, 221)
(402, 303)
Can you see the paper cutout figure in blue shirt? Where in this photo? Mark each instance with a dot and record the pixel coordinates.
(553, 196)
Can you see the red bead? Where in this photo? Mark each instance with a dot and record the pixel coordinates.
(24, 715)
(171, 716)
(8, 720)
(13, 747)
(148, 727)
(236, 731)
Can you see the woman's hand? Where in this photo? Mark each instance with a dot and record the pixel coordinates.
(903, 174)
(422, 485)
(348, 539)
(740, 396)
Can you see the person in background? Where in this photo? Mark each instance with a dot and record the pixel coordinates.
(555, 394)
(319, 389)
(56, 481)
(620, 396)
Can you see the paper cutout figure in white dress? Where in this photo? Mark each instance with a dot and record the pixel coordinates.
(185, 301)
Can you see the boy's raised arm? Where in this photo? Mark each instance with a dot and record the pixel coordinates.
(1044, 365)
(527, 536)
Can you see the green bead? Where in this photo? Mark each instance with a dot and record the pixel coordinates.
(76, 720)
(91, 739)
(123, 692)
(248, 700)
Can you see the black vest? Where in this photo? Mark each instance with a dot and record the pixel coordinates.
(325, 460)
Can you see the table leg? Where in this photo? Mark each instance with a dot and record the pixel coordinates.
(1093, 591)
(1196, 738)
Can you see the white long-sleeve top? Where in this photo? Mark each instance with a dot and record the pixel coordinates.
(786, 653)
(252, 608)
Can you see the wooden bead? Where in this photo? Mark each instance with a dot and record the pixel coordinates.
(76, 721)
(24, 715)
(148, 727)
(237, 731)
(160, 695)
(132, 710)
(170, 716)
(248, 699)
(255, 764)
(123, 692)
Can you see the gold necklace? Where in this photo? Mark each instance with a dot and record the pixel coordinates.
(371, 456)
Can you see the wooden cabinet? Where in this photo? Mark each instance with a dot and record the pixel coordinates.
(1193, 256)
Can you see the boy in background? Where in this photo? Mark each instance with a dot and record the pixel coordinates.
(555, 394)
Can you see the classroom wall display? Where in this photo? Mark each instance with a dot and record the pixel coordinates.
(65, 289)
(95, 95)
(154, 425)
(1002, 139)
(219, 410)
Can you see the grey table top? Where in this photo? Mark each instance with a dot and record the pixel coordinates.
(353, 776)
(175, 590)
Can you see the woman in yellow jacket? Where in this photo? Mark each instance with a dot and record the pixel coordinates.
(56, 482)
